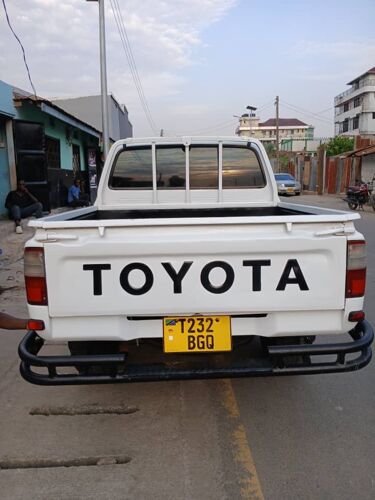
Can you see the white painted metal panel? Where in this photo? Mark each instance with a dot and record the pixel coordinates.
(322, 261)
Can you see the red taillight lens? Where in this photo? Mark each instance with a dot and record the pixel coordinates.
(36, 291)
(35, 277)
(356, 269)
(356, 316)
(35, 324)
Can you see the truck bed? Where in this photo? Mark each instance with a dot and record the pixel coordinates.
(282, 212)
(173, 213)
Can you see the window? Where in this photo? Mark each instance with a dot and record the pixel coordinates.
(170, 167)
(346, 107)
(53, 153)
(345, 125)
(373, 116)
(357, 102)
(132, 169)
(241, 168)
(284, 177)
(355, 122)
(204, 167)
(76, 159)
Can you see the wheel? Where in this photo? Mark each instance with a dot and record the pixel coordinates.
(353, 205)
(82, 348)
(298, 193)
(290, 360)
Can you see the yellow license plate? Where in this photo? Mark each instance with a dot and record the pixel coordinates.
(290, 190)
(197, 334)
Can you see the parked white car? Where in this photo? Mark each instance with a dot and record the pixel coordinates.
(189, 266)
(287, 184)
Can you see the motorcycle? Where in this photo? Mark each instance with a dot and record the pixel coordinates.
(359, 195)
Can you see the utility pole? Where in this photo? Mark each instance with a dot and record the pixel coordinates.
(277, 135)
(103, 77)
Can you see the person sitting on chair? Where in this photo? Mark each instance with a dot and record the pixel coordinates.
(21, 203)
(75, 197)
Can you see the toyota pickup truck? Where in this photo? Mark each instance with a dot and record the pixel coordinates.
(189, 266)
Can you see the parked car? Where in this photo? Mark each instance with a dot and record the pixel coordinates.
(286, 184)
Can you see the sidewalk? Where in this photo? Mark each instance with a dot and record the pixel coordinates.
(12, 286)
(7, 227)
(11, 243)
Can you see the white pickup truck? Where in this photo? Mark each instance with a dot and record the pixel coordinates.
(189, 266)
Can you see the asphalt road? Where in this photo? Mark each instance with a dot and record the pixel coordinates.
(310, 437)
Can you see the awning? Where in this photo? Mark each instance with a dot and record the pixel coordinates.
(51, 109)
(70, 120)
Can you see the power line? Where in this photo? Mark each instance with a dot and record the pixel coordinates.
(132, 64)
(133, 67)
(311, 117)
(23, 50)
(305, 112)
(325, 110)
(266, 105)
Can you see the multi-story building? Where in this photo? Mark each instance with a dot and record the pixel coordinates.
(355, 108)
(289, 128)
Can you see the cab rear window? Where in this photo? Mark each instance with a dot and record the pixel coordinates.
(240, 168)
(132, 169)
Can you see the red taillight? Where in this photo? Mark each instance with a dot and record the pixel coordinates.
(356, 269)
(35, 277)
(35, 324)
(356, 316)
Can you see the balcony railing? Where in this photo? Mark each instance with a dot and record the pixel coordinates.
(363, 83)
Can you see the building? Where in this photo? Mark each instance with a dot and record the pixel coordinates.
(355, 108)
(289, 128)
(307, 145)
(46, 146)
(89, 110)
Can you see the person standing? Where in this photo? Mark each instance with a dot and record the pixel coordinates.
(21, 203)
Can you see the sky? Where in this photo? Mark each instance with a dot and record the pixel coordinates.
(200, 62)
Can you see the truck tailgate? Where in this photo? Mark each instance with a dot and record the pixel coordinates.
(165, 270)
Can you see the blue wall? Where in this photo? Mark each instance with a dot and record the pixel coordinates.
(6, 99)
(4, 169)
(7, 111)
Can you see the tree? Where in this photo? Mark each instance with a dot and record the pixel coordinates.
(339, 144)
(270, 149)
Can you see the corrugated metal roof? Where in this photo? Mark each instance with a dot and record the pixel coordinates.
(18, 96)
(368, 150)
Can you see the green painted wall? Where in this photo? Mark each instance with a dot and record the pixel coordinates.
(58, 130)
(4, 169)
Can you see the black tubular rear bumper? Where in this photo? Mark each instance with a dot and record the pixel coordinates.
(276, 360)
